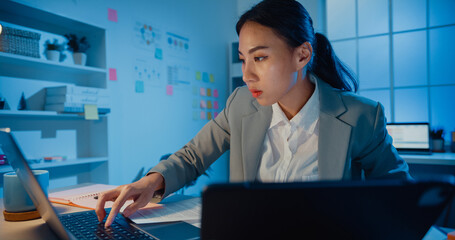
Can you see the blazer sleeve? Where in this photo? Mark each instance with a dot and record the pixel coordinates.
(380, 159)
(193, 159)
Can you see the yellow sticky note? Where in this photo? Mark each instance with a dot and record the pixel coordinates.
(91, 112)
(209, 104)
(212, 78)
(209, 92)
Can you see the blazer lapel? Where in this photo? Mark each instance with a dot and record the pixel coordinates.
(254, 128)
(334, 134)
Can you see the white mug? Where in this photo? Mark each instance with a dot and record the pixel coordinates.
(15, 197)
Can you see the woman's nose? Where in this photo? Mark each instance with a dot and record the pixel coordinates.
(248, 73)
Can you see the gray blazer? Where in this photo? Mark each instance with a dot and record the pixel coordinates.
(353, 141)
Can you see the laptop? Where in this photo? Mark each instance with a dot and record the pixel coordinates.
(84, 225)
(410, 138)
(376, 209)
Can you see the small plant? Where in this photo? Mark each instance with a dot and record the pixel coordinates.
(76, 44)
(55, 45)
(437, 133)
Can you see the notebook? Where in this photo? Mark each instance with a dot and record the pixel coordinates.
(84, 225)
(324, 210)
(410, 138)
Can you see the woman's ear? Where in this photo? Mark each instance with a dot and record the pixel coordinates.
(304, 53)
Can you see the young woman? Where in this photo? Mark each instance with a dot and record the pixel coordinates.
(297, 119)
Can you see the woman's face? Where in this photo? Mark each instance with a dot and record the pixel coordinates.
(269, 65)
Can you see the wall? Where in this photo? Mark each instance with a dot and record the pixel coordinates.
(402, 52)
(151, 120)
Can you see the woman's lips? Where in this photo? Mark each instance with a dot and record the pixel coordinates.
(255, 93)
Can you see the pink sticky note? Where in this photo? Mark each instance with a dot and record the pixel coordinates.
(202, 115)
(113, 74)
(169, 90)
(202, 92)
(203, 104)
(215, 92)
(112, 15)
(215, 105)
(215, 114)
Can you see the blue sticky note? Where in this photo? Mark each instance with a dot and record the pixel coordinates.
(159, 53)
(139, 86)
(205, 77)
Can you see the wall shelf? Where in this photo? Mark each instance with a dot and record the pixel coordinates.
(52, 114)
(13, 65)
(46, 165)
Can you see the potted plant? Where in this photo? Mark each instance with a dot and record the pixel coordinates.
(54, 50)
(437, 139)
(78, 46)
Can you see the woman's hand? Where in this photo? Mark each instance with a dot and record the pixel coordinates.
(141, 192)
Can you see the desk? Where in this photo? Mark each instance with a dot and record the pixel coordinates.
(433, 159)
(37, 229)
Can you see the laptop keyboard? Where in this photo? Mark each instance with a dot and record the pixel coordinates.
(85, 225)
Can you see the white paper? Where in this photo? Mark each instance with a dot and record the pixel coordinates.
(184, 210)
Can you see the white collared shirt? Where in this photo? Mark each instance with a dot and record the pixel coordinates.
(290, 150)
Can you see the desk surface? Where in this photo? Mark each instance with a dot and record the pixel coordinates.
(433, 159)
(37, 229)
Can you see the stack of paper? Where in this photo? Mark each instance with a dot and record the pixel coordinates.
(72, 99)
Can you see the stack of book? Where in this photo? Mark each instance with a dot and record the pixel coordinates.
(71, 99)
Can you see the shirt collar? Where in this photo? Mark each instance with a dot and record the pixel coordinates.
(307, 116)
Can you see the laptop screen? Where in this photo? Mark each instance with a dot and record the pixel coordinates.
(410, 136)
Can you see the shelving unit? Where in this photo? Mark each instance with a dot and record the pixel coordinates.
(31, 75)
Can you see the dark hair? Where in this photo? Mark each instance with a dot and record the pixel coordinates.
(291, 21)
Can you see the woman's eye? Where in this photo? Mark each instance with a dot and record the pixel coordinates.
(259, 59)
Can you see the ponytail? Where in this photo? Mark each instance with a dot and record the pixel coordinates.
(328, 67)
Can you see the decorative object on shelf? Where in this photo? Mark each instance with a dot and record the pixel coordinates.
(437, 139)
(18, 41)
(3, 103)
(78, 46)
(22, 103)
(54, 50)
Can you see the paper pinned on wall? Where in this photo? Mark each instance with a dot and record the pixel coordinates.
(209, 104)
(194, 103)
(215, 105)
(91, 112)
(215, 93)
(205, 77)
(209, 92)
(209, 116)
(212, 78)
(198, 76)
(169, 90)
(203, 104)
(202, 92)
(112, 74)
(194, 90)
(112, 15)
(139, 86)
(203, 115)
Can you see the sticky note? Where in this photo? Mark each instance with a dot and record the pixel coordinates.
(195, 115)
(169, 90)
(209, 104)
(113, 74)
(205, 77)
(203, 104)
(209, 92)
(215, 92)
(202, 92)
(209, 116)
(212, 78)
(215, 105)
(215, 114)
(112, 15)
(198, 76)
(139, 86)
(202, 115)
(91, 112)
(159, 53)
(194, 103)
(194, 90)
